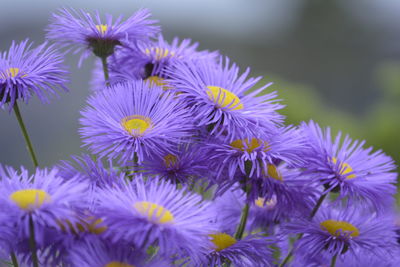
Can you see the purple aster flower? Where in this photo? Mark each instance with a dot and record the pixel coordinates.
(252, 250)
(344, 166)
(25, 71)
(45, 198)
(342, 232)
(188, 166)
(156, 213)
(260, 152)
(95, 253)
(131, 119)
(87, 33)
(216, 96)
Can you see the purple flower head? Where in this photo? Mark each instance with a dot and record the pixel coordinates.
(25, 71)
(344, 166)
(252, 250)
(156, 213)
(256, 155)
(87, 33)
(44, 197)
(96, 253)
(216, 96)
(132, 118)
(342, 232)
(188, 166)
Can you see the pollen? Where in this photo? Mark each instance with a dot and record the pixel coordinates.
(222, 241)
(154, 212)
(345, 169)
(136, 125)
(11, 73)
(118, 264)
(158, 81)
(29, 199)
(170, 160)
(224, 98)
(340, 228)
(261, 203)
(273, 172)
(249, 145)
(160, 53)
(102, 28)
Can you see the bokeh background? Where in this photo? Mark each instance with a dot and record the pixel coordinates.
(335, 61)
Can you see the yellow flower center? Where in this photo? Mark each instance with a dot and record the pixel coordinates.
(249, 145)
(261, 203)
(157, 81)
(223, 98)
(338, 228)
(28, 199)
(160, 52)
(170, 160)
(11, 73)
(136, 125)
(222, 241)
(273, 172)
(345, 169)
(92, 226)
(154, 213)
(118, 264)
(102, 28)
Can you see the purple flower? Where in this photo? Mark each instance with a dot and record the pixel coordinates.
(45, 197)
(216, 96)
(252, 250)
(156, 213)
(131, 118)
(344, 166)
(25, 71)
(342, 232)
(87, 33)
(188, 166)
(95, 253)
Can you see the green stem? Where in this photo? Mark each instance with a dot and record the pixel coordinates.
(14, 259)
(333, 262)
(25, 134)
(32, 243)
(312, 214)
(243, 221)
(105, 70)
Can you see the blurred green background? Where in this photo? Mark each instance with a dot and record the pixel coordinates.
(334, 61)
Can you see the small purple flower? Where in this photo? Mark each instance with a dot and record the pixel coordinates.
(96, 253)
(88, 33)
(216, 96)
(342, 232)
(156, 213)
(45, 197)
(188, 166)
(344, 166)
(131, 119)
(25, 71)
(252, 250)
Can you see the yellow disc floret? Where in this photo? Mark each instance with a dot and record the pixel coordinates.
(261, 203)
(339, 228)
(273, 172)
(224, 98)
(118, 264)
(29, 199)
(170, 160)
(136, 125)
(160, 53)
(154, 212)
(249, 145)
(222, 241)
(345, 169)
(102, 28)
(158, 81)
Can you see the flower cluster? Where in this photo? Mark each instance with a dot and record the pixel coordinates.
(190, 164)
